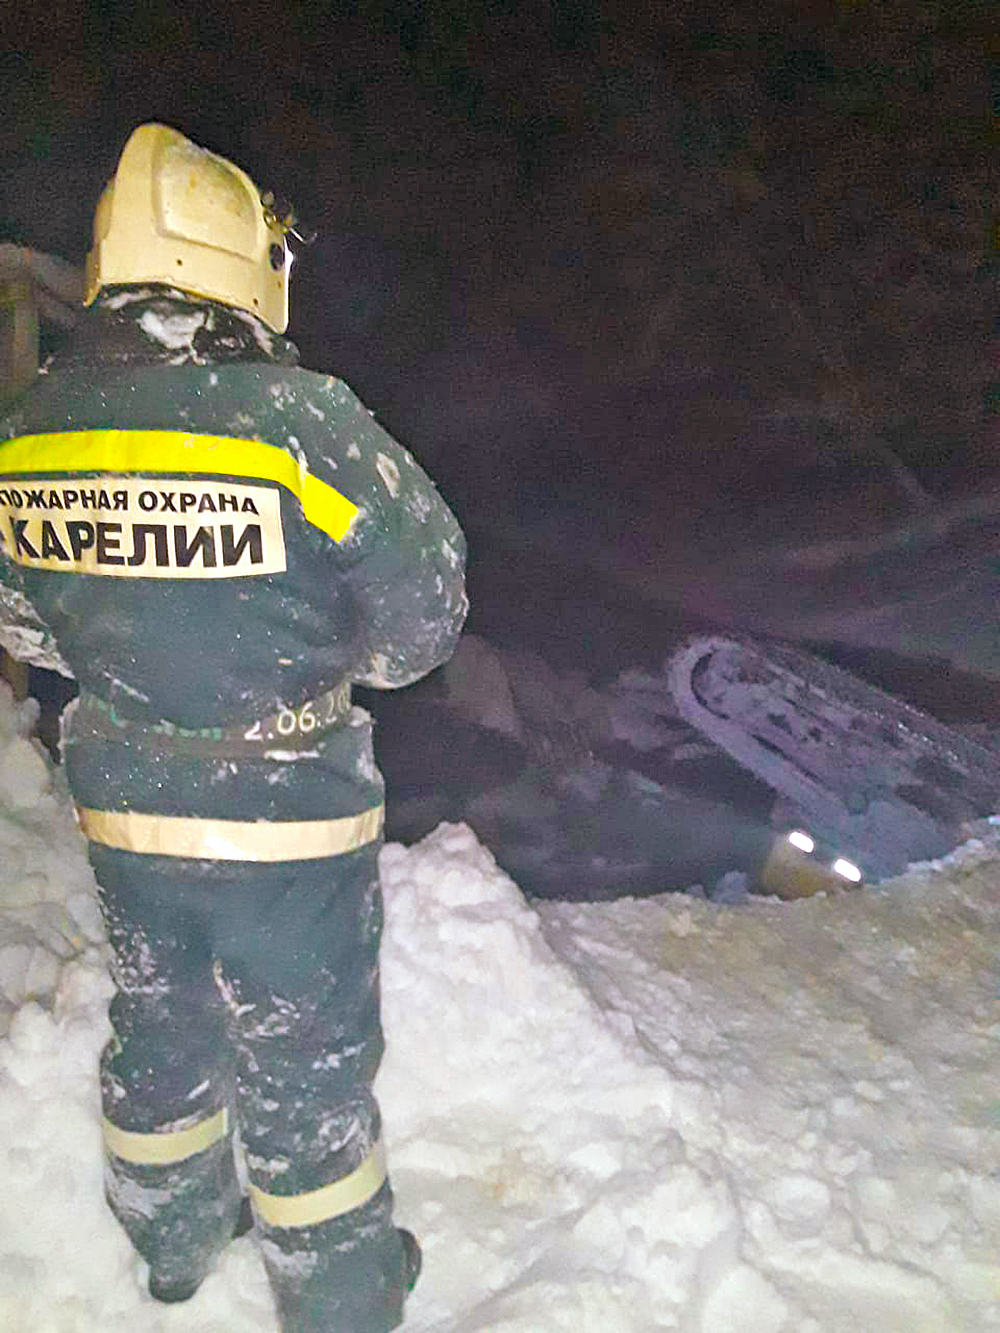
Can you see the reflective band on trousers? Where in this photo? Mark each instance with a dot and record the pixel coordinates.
(342, 1196)
(230, 839)
(157, 1149)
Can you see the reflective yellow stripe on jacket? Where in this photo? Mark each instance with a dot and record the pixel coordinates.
(176, 451)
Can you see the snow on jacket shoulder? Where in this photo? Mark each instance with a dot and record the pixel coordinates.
(404, 551)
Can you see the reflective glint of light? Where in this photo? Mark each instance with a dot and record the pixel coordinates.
(847, 869)
(803, 842)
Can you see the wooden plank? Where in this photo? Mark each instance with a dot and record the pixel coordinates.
(18, 334)
(18, 367)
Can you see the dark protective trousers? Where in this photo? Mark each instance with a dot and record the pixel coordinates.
(239, 884)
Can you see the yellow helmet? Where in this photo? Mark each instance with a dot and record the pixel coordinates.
(174, 213)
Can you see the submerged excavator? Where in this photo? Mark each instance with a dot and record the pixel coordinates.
(865, 784)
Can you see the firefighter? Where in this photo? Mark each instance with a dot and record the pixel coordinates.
(218, 544)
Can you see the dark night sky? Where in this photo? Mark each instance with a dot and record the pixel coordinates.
(573, 248)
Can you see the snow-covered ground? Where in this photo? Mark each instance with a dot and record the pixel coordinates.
(620, 1118)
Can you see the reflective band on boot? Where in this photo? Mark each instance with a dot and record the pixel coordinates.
(342, 1196)
(159, 1149)
(230, 839)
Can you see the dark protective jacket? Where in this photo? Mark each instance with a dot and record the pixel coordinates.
(224, 542)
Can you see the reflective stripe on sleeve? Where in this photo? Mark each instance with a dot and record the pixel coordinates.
(342, 1196)
(180, 452)
(158, 1149)
(230, 839)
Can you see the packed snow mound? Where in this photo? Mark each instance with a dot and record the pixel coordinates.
(538, 1136)
(626, 1117)
(835, 1059)
(48, 908)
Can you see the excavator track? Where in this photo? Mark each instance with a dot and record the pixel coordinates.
(866, 773)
